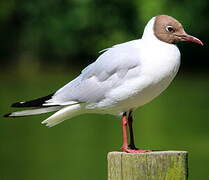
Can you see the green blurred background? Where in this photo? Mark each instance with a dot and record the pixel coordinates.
(45, 44)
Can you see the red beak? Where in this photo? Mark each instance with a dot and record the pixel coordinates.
(189, 38)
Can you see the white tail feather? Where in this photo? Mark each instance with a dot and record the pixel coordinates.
(63, 114)
(51, 103)
(35, 111)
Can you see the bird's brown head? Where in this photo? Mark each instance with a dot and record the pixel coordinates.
(169, 30)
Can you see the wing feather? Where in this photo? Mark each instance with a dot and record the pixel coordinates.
(107, 72)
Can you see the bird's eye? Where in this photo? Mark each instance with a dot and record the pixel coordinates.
(170, 29)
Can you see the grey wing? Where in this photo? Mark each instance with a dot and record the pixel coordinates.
(97, 79)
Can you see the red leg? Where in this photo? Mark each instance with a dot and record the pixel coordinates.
(125, 146)
(124, 126)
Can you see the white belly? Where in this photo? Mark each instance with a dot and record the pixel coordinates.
(144, 96)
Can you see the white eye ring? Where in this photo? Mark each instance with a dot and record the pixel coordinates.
(169, 28)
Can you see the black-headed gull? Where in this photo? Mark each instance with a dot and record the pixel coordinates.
(124, 77)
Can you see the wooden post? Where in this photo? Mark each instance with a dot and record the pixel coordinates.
(157, 165)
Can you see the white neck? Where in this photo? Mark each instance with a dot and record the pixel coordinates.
(148, 30)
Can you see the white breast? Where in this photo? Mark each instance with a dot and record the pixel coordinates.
(158, 67)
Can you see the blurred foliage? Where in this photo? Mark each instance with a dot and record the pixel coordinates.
(73, 31)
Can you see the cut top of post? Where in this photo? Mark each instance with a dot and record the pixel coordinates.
(157, 165)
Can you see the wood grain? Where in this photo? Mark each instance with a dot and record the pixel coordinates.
(158, 165)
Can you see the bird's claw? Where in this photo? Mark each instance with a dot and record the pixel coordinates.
(128, 150)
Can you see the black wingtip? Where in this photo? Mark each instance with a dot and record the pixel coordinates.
(33, 103)
(7, 115)
(17, 104)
